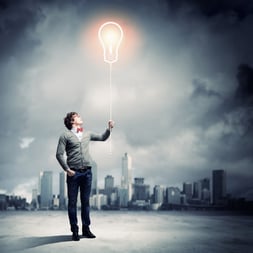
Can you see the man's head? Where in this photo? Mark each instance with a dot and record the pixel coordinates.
(72, 119)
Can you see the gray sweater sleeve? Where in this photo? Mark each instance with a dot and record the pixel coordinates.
(100, 137)
(60, 152)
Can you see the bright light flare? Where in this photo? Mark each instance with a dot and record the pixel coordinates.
(110, 35)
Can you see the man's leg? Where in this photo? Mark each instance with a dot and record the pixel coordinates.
(72, 184)
(85, 189)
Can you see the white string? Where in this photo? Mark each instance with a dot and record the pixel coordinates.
(110, 105)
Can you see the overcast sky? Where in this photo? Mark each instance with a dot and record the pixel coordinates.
(182, 90)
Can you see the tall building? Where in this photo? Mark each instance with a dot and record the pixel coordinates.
(3, 202)
(201, 190)
(140, 190)
(109, 187)
(159, 193)
(219, 187)
(109, 182)
(196, 190)
(205, 183)
(46, 189)
(123, 197)
(173, 196)
(205, 190)
(62, 190)
(34, 202)
(187, 190)
(126, 179)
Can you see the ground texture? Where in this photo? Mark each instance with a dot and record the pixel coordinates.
(147, 232)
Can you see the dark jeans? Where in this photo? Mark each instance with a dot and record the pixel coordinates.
(82, 181)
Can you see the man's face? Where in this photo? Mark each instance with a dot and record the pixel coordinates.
(77, 120)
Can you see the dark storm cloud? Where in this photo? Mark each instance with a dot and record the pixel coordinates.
(244, 91)
(235, 114)
(230, 131)
(241, 103)
(200, 89)
(215, 7)
(17, 23)
(241, 115)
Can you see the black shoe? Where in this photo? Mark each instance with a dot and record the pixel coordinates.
(75, 236)
(87, 233)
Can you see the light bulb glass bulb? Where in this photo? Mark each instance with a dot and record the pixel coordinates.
(110, 35)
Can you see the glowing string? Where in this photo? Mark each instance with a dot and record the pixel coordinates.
(110, 93)
(110, 106)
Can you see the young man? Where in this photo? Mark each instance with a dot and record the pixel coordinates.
(75, 143)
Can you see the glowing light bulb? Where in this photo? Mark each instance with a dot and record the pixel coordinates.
(110, 35)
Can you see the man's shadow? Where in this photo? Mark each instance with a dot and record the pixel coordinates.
(32, 242)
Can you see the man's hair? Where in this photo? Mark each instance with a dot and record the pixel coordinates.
(69, 119)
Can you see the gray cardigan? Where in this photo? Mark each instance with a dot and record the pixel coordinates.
(77, 151)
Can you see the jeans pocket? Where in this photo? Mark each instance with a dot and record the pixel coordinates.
(71, 178)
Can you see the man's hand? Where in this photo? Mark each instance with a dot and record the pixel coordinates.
(70, 172)
(110, 124)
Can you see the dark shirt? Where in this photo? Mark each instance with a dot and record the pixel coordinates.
(77, 151)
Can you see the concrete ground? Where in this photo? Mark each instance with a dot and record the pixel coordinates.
(116, 231)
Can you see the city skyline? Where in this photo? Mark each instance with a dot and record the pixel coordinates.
(181, 89)
(133, 193)
(58, 180)
(116, 197)
(130, 187)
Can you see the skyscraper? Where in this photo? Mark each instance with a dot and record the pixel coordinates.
(197, 190)
(109, 182)
(173, 196)
(205, 190)
(201, 190)
(126, 180)
(219, 187)
(187, 190)
(109, 187)
(159, 193)
(62, 190)
(46, 189)
(140, 190)
(34, 202)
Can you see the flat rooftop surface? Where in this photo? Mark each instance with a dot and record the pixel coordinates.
(128, 231)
